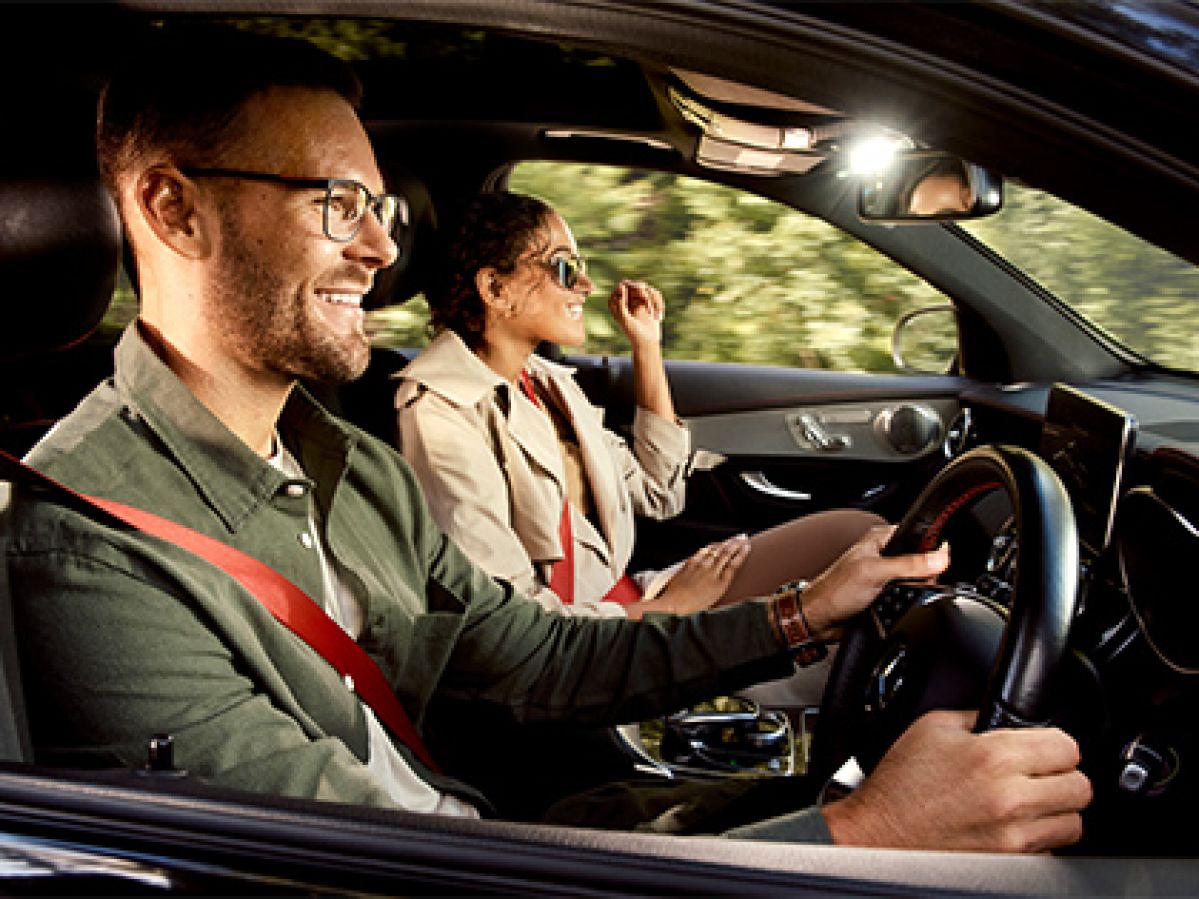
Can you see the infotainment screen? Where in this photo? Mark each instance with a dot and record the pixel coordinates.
(1088, 442)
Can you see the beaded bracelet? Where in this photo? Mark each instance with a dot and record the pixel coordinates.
(793, 624)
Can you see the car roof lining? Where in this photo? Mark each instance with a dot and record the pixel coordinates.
(721, 90)
(870, 61)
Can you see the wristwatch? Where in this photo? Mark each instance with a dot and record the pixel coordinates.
(786, 605)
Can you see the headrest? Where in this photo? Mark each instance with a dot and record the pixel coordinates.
(60, 236)
(417, 243)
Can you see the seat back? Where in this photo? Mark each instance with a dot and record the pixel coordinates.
(59, 255)
(14, 730)
(60, 246)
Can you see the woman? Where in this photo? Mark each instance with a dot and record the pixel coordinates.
(515, 462)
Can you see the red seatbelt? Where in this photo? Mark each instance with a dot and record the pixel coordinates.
(283, 599)
(562, 572)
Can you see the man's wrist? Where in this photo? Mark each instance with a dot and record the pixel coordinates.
(792, 627)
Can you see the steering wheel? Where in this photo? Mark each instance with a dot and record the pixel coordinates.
(923, 646)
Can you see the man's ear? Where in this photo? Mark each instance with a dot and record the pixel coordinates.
(167, 202)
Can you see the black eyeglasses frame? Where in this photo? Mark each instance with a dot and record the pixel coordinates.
(373, 203)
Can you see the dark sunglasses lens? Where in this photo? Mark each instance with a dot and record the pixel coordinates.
(566, 270)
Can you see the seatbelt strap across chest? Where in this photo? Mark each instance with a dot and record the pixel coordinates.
(290, 605)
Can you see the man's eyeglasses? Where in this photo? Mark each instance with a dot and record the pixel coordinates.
(566, 268)
(345, 203)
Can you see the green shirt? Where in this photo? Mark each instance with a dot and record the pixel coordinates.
(123, 635)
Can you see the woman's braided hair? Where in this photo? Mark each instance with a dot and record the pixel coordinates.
(495, 231)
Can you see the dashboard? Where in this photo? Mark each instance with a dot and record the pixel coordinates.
(1129, 689)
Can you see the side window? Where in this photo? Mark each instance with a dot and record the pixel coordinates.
(745, 279)
(123, 308)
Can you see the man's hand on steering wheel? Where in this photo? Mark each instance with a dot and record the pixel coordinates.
(942, 787)
(848, 585)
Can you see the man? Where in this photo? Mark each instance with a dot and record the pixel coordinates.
(940, 193)
(257, 219)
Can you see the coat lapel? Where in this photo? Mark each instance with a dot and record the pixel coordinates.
(607, 494)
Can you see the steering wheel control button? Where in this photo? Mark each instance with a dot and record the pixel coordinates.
(893, 603)
(887, 679)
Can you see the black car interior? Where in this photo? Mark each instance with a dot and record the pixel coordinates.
(60, 252)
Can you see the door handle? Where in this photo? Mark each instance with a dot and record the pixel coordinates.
(759, 482)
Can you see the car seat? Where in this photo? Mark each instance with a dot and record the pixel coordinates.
(59, 256)
(60, 244)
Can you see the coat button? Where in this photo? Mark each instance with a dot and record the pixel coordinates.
(306, 540)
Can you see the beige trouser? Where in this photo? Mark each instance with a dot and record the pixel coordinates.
(798, 549)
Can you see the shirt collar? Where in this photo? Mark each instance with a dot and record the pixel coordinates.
(232, 478)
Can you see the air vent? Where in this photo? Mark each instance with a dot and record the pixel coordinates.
(909, 428)
(959, 436)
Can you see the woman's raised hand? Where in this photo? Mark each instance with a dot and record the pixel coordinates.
(638, 309)
(701, 580)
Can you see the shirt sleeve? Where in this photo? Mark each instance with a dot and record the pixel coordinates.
(653, 470)
(598, 671)
(803, 826)
(113, 657)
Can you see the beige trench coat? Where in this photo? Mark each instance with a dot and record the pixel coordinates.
(491, 468)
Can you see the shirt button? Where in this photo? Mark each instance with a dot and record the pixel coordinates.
(306, 540)
(296, 489)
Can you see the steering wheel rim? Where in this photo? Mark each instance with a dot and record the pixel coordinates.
(1044, 597)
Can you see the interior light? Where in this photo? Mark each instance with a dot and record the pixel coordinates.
(796, 139)
(872, 155)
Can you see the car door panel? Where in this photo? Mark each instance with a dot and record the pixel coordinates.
(771, 444)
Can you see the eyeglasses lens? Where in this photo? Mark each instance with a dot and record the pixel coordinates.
(346, 204)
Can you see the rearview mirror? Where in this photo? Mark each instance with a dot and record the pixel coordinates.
(929, 186)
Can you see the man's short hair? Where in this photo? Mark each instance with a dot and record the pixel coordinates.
(180, 93)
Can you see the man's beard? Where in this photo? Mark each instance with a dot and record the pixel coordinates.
(263, 320)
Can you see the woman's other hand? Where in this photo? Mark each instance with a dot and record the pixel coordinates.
(701, 580)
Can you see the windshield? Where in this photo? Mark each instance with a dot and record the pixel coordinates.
(1141, 296)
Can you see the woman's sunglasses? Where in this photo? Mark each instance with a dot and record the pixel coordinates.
(566, 268)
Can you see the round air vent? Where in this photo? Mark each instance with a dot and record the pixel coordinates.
(909, 428)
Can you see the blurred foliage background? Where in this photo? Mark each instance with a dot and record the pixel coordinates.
(748, 280)
(745, 279)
